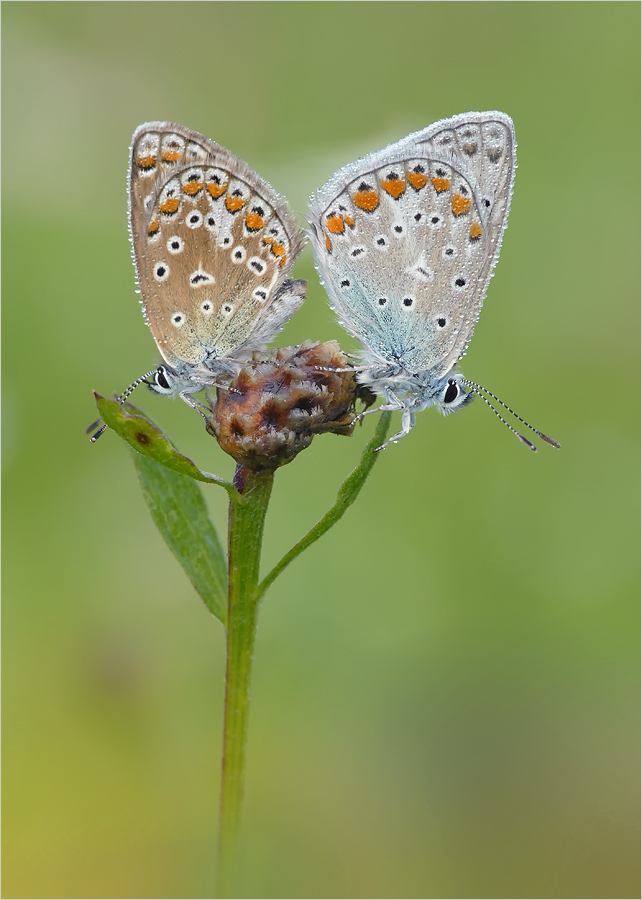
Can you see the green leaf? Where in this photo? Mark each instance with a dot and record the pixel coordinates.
(348, 493)
(179, 511)
(149, 440)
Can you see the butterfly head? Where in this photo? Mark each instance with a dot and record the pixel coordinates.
(450, 394)
(165, 381)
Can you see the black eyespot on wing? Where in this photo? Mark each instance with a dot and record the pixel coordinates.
(407, 301)
(345, 282)
(441, 322)
(382, 301)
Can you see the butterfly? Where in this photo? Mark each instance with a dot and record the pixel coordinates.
(213, 246)
(405, 241)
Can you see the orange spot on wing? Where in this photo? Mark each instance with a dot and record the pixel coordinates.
(441, 184)
(172, 156)
(193, 188)
(368, 200)
(170, 206)
(268, 239)
(235, 203)
(475, 231)
(216, 190)
(460, 204)
(154, 228)
(278, 249)
(146, 163)
(417, 180)
(254, 221)
(335, 224)
(349, 221)
(394, 186)
(328, 243)
(283, 261)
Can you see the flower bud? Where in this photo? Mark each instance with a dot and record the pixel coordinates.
(280, 399)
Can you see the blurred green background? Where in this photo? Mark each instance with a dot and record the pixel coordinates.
(445, 698)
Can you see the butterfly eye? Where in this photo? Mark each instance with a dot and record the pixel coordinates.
(452, 391)
(161, 380)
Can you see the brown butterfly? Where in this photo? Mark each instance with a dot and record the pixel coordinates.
(213, 246)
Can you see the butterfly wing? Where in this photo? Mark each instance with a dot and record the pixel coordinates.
(213, 245)
(406, 238)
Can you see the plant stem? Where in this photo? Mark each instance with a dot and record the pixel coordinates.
(248, 506)
(245, 535)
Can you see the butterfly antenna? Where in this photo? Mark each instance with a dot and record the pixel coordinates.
(102, 427)
(477, 388)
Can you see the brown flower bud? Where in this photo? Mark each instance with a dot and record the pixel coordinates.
(281, 399)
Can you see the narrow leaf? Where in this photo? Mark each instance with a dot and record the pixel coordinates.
(348, 493)
(179, 511)
(148, 439)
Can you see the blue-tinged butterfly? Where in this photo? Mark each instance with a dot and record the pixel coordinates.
(405, 241)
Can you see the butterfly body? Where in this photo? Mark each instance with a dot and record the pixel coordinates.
(213, 246)
(405, 242)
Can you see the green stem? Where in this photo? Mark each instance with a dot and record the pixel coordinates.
(246, 521)
(245, 535)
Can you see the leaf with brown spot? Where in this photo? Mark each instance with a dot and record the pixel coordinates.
(149, 440)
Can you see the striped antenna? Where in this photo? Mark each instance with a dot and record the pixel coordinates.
(99, 424)
(477, 388)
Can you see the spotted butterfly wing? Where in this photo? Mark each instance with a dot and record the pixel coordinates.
(213, 246)
(406, 239)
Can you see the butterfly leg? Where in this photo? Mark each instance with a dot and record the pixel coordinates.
(200, 407)
(408, 420)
